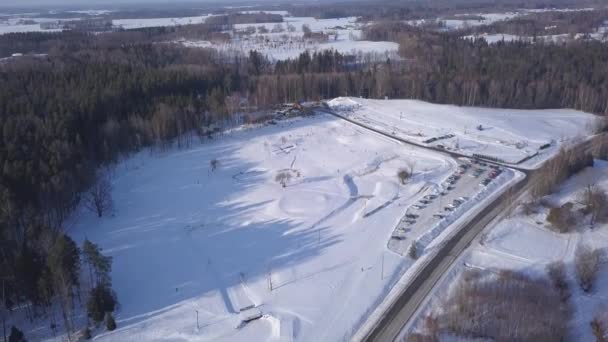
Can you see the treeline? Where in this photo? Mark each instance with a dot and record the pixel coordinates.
(548, 23)
(441, 67)
(70, 41)
(227, 20)
(64, 116)
(499, 308)
(419, 9)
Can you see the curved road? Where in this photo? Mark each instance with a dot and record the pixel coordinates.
(402, 310)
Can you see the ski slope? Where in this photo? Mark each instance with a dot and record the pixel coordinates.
(185, 238)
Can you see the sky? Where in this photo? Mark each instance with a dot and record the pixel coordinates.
(97, 3)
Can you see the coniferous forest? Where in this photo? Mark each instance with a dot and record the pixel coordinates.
(88, 100)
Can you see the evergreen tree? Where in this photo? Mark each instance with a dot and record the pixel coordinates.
(102, 300)
(110, 322)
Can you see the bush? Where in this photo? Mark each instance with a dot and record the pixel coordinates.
(413, 251)
(557, 275)
(561, 218)
(86, 334)
(214, 164)
(528, 208)
(283, 177)
(16, 335)
(110, 322)
(595, 201)
(101, 300)
(599, 326)
(587, 263)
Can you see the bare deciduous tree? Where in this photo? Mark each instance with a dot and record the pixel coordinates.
(587, 264)
(599, 147)
(99, 197)
(528, 208)
(499, 309)
(595, 201)
(561, 218)
(599, 325)
(557, 274)
(403, 176)
(405, 173)
(283, 177)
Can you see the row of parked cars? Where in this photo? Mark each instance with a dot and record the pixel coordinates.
(449, 185)
(492, 175)
(452, 206)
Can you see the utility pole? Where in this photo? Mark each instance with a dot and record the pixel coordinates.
(382, 268)
(270, 279)
(197, 326)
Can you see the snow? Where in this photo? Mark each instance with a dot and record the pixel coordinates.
(380, 50)
(184, 238)
(13, 24)
(556, 38)
(526, 244)
(345, 33)
(511, 135)
(155, 22)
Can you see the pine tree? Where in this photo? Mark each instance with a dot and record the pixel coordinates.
(99, 265)
(101, 300)
(110, 322)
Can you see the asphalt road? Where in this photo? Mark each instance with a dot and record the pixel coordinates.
(405, 307)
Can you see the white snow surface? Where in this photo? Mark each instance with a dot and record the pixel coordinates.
(186, 238)
(511, 135)
(526, 244)
(344, 38)
(154, 22)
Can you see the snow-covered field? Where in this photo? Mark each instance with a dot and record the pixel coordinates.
(600, 34)
(185, 238)
(156, 22)
(344, 34)
(14, 24)
(511, 135)
(479, 19)
(525, 244)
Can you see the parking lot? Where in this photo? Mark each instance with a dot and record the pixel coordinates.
(441, 203)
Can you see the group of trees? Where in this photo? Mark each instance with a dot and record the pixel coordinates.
(565, 164)
(477, 309)
(226, 21)
(93, 98)
(61, 118)
(587, 265)
(442, 67)
(540, 24)
(51, 277)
